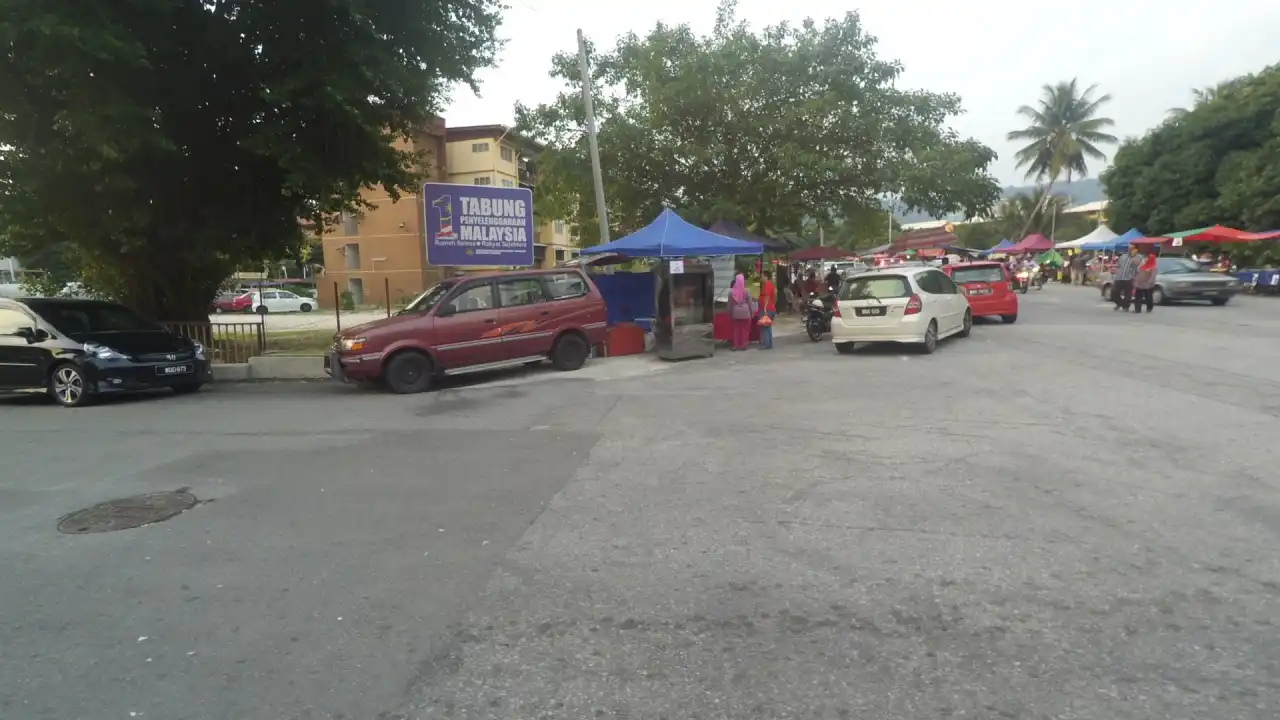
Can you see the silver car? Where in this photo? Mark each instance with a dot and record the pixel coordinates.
(1179, 279)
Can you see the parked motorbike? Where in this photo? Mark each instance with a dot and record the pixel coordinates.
(817, 316)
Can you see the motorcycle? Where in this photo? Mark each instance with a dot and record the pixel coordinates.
(817, 316)
(1021, 281)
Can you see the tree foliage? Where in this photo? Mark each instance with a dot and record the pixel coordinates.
(764, 129)
(1217, 164)
(154, 146)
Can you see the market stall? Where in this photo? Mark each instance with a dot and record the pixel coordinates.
(684, 280)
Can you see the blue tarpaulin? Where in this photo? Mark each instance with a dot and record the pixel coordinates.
(998, 247)
(669, 236)
(1120, 243)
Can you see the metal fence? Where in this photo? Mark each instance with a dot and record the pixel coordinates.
(224, 342)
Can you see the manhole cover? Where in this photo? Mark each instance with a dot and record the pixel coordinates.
(125, 513)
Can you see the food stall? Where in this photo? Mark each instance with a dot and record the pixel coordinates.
(684, 280)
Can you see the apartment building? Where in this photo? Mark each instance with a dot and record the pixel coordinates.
(382, 253)
(495, 155)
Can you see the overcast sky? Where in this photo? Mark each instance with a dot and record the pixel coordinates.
(995, 54)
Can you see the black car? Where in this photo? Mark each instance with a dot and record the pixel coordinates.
(77, 349)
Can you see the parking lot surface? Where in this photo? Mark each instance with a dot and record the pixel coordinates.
(1070, 517)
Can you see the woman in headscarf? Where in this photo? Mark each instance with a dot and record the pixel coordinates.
(1144, 281)
(740, 312)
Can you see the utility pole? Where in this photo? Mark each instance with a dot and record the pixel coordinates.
(596, 173)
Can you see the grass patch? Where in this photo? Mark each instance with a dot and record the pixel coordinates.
(299, 342)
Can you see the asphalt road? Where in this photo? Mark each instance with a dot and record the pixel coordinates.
(1071, 517)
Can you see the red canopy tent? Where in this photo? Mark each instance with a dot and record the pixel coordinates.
(820, 253)
(1216, 234)
(1032, 243)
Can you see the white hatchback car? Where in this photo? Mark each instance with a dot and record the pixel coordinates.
(917, 305)
(281, 301)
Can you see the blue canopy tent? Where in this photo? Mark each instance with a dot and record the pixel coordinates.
(670, 237)
(1119, 243)
(998, 247)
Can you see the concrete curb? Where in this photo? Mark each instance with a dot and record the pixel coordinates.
(272, 367)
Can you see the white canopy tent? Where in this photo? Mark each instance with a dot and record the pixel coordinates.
(1102, 233)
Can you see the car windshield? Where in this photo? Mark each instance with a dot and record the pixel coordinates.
(1175, 266)
(87, 318)
(875, 287)
(978, 274)
(427, 300)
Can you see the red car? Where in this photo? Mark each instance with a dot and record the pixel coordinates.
(476, 323)
(233, 302)
(986, 286)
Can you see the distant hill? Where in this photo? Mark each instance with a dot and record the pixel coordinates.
(1081, 192)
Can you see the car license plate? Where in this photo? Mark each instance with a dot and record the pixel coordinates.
(173, 369)
(868, 312)
(979, 291)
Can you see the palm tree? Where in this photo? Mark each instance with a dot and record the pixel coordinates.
(1199, 96)
(1065, 131)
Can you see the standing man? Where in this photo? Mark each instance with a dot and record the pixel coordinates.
(768, 308)
(1122, 283)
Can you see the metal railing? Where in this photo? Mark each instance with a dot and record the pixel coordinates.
(224, 342)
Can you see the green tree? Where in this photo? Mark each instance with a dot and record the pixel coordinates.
(154, 146)
(764, 129)
(1220, 163)
(1063, 134)
(1198, 97)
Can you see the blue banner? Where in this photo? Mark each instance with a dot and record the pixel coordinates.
(476, 225)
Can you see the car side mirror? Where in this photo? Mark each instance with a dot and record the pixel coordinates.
(446, 310)
(29, 334)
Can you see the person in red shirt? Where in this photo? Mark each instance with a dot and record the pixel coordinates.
(768, 308)
(811, 285)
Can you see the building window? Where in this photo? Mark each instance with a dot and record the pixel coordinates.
(479, 147)
(559, 256)
(559, 227)
(507, 155)
(507, 183)
(350, 223)
(351, 251)
(482, 181)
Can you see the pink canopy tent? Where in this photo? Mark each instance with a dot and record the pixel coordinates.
(1032, 243)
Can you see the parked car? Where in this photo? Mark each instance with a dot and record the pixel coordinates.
(280, 301)
(903, 304)
(233, 302)
(1179, 279)
(986, 285)
(78, 349)
(473, 324)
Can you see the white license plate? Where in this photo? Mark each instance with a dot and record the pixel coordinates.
(173, 369)
(980, 291)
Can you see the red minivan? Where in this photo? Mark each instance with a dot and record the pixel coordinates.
(986, 287)
(476, 323)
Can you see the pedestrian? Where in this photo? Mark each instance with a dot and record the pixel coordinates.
(783, 288)
(740, 313)
(768, 309)
(1122, 283)
(1144, 282)
(1078, 266)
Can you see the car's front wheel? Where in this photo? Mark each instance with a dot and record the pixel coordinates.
(262, 309)
(68, 386)
(408, 372)
(570, 352)
(1157, 296)
(305, 307)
